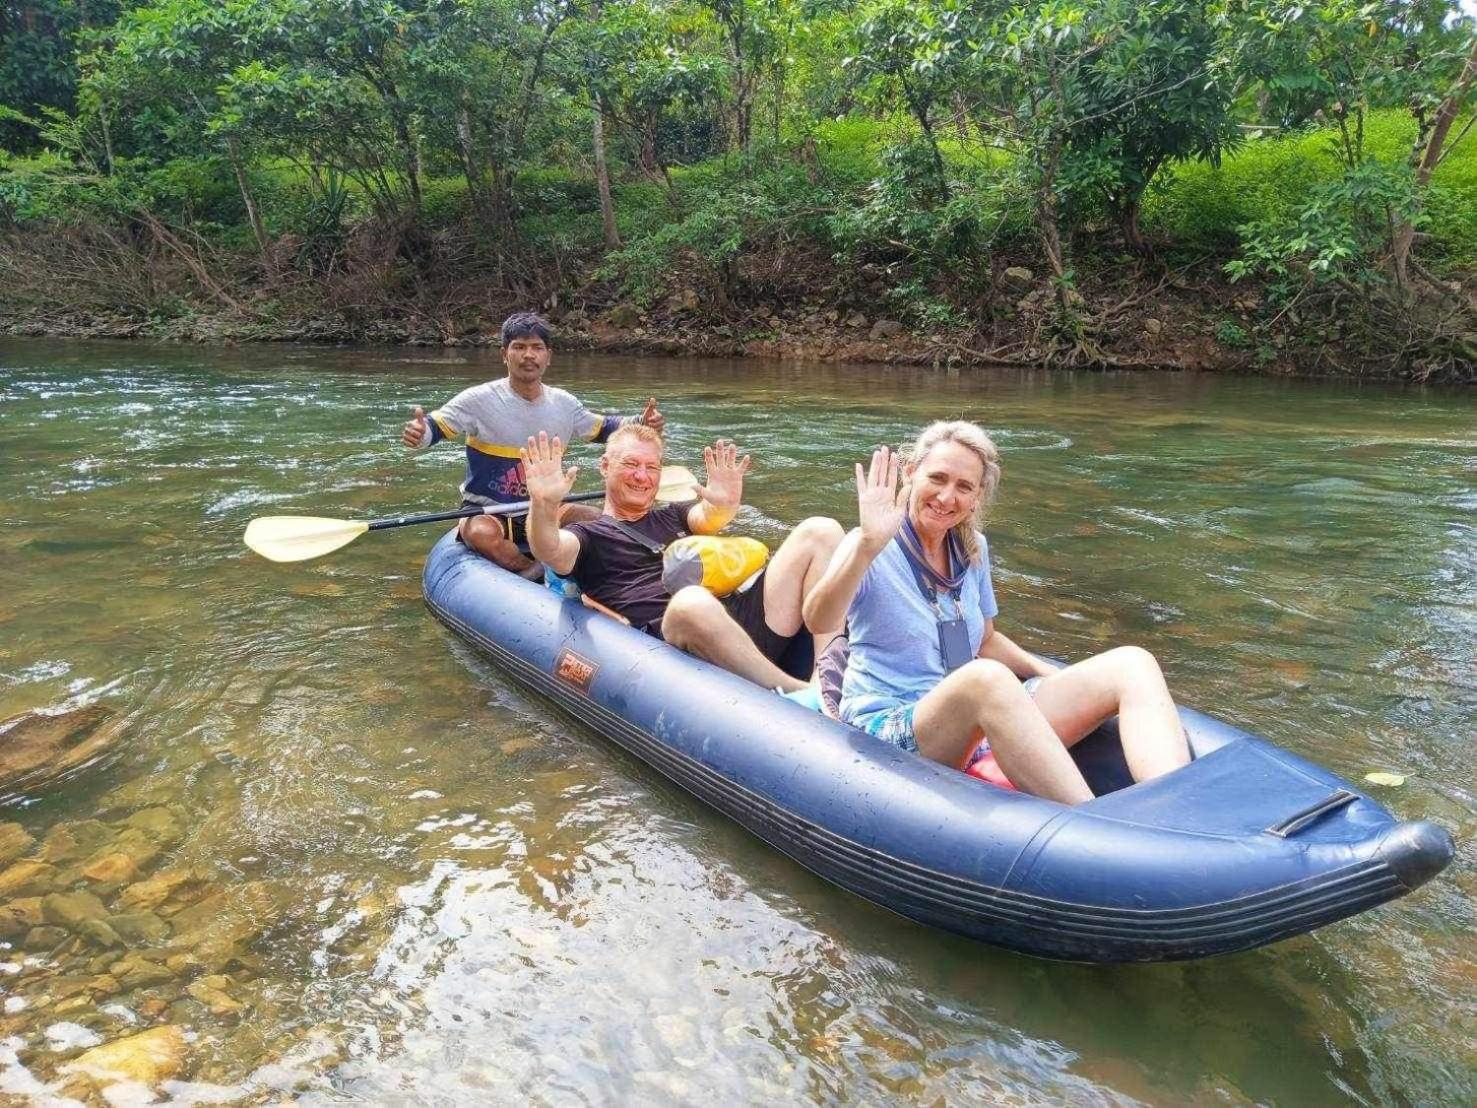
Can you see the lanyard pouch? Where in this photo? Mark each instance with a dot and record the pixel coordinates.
(954, 643)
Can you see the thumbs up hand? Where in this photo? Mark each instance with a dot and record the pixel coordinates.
(415, 429)
(651, 417)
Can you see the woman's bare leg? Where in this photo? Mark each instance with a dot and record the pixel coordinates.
(985, 696)
(1125, 682)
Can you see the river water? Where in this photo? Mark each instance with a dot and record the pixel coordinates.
(435, 889)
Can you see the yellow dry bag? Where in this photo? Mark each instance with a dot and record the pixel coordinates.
(718, 563)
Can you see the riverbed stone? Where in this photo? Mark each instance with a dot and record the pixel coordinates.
(138, 971)
(19, 916)
(161, 890)
(68, 842)
(39, 746)
(71, 910)
(45, 938)
(210, 991)
(103, 986)
(15, 840)
(139, 845)
(160, 823)
(140, 928)
(28, 878)
(112, 869)
(99, 933)
(150, 1057)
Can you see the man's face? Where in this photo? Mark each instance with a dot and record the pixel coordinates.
(526, 359)
(633, 473)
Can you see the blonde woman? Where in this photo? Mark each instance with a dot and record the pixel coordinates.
(927, 670)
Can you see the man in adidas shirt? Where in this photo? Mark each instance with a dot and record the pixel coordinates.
(498, 417)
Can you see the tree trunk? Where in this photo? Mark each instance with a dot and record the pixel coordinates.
(961, 118)
(472, 168)
(253, 213)
(1129, 210)
(1047, 226)
(1426, 157)
(602, 179)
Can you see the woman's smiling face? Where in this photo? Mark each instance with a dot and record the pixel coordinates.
(945, 488)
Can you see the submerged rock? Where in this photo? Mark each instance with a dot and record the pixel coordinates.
(14, 841)
(68, 842)
(19, 916)
(71, 910)
(26, 879)
(137, 971)
(45, 938)
(38, 747)
(114, 868)
(211, 992)
(149, 1058)
(161, 890)
(140, 928)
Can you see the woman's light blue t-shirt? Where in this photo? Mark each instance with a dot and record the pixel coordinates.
(895, 654)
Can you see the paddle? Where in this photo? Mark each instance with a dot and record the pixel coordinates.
(298, 538)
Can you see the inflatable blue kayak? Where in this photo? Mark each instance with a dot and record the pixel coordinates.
(1246, 845)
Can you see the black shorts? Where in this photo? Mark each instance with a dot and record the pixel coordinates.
(747, 610)
(515, 528)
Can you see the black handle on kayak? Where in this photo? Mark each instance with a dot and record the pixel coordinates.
(517, 507)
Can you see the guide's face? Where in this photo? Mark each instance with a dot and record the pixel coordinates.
(633, 473)
(945, 489)
(526, 359)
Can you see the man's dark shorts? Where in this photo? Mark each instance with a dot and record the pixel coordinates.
(747, 609)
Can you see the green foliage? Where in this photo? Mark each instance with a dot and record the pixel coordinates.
(1273, 179)
(1336, 234)
(1232, 334)
(900, 143)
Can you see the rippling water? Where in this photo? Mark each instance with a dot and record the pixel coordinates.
(461, 896)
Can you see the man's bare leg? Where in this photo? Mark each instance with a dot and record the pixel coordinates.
(794, 570)
(699, 624)
(488, 536)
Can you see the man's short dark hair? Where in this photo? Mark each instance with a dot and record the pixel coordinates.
(525, 325)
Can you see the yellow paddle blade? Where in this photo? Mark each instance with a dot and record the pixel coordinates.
(298, 538)
(677, 484)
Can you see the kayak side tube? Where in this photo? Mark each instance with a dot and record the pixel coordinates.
(1242, 847)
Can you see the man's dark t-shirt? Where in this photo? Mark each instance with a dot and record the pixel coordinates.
(613, 568)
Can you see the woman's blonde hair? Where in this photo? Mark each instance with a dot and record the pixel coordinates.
(973, 439)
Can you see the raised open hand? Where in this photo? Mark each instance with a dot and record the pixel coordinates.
(880, 502)
(543, 469)
(725, 472)
(414, 429)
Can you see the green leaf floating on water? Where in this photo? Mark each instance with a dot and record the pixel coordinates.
(1392, 779)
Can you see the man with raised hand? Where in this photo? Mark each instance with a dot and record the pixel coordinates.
(496, 418)
(616, 559)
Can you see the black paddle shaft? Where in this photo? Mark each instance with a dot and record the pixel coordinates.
(516, 507)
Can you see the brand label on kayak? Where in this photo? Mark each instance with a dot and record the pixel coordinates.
(575, 670)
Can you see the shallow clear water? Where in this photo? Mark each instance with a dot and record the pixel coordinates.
(456, 894)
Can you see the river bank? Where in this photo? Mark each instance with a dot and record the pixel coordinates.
(1182, 319)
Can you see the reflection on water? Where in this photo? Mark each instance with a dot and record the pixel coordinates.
(352, 861)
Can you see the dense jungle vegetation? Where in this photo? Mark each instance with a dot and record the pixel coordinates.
(1284, 185)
